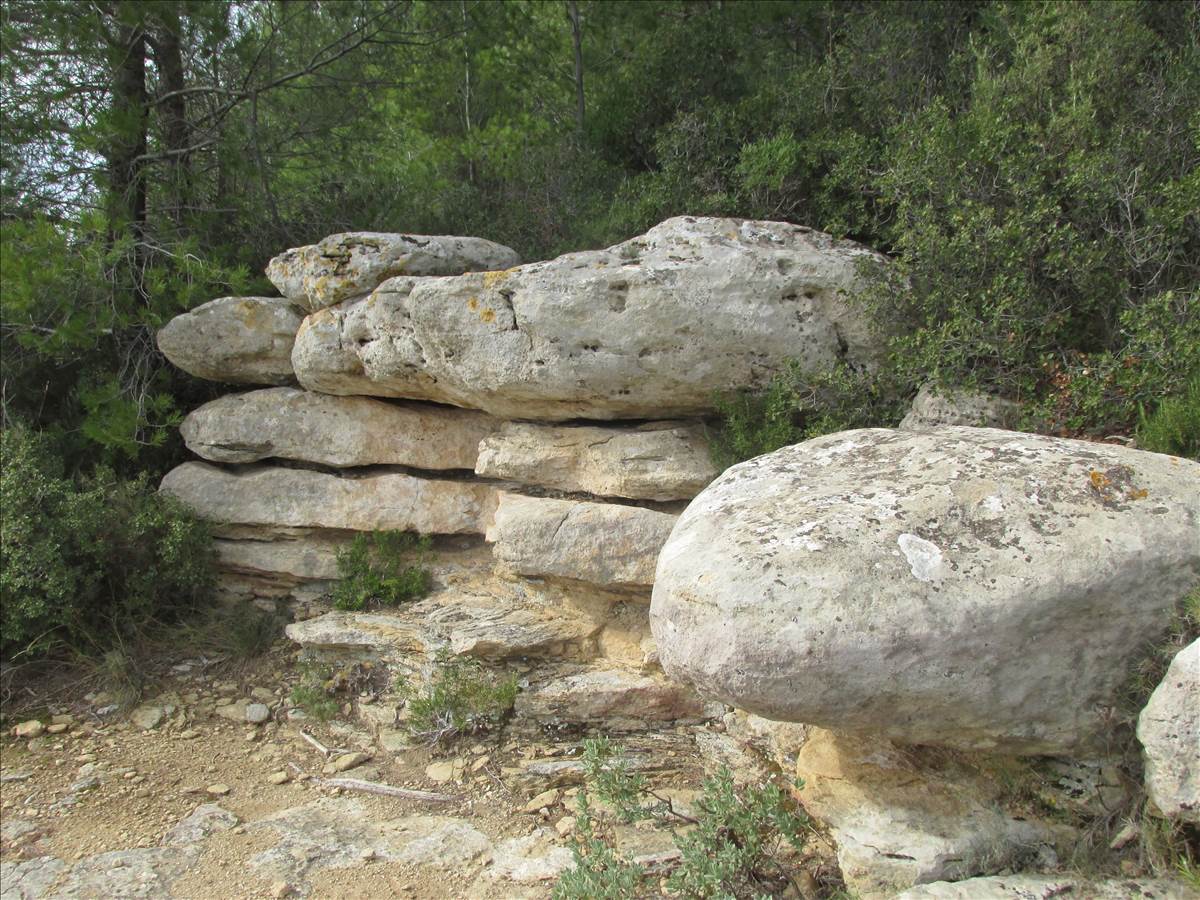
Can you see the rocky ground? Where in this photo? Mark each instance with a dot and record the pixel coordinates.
(184, 797)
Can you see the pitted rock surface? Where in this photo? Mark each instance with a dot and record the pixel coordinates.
(238, 340)
(288, 423)
(349, 265)
(968, 587)
(649, 328)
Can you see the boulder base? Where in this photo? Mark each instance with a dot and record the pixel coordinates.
(1169, 729)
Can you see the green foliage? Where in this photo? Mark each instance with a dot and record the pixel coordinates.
(88, 564)
(795, 407)
(457, 698)
(375, 570)
(237, 632)
(730, 850)
(1174, 427)
(313, 694)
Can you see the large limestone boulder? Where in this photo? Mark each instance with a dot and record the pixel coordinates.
(967, 587)
(238, 340)
(1169, 729)
(1050, 887)
(606, 544)
(289, 423)
(353, 264)
(301, 498)
(659, 461)
(649, 328)
(899, 822)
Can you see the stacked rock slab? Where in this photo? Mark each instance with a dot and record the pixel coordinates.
(445, 389)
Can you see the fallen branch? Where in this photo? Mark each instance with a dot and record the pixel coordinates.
(321, 748)
(387, 790)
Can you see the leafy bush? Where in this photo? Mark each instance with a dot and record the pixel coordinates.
(373, 570)
(457, 698)
(1175, 426)
(795, 407)
(730, 850)
(87, 564)
(313, 694)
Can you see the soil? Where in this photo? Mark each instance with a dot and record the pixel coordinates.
(104, 785)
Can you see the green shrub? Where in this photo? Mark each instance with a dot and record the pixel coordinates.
(1175, 426)
(377, 568)
(85, 565)
(457, 698)
(730, 849)
(796, 406)
(313, 694)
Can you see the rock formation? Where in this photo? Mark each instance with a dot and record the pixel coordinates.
(650, 328)
(399, 326)
(966, 587)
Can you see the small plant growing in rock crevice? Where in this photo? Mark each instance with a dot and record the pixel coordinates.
(313, 694)
(382, 568)
(457, 698)
(730, 848)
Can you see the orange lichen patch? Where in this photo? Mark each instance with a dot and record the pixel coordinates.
(472, 303)
(1116, 484)
(490, 279)
(488, 315)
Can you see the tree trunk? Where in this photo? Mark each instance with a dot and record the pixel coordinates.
(127, 182)
(577, 41)
(177, 133)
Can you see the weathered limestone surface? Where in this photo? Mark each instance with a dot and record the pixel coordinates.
(897, 824)
(335, 431)
(649, 328)
(481, 616)
(301, 498)
(605, 544)
(1049, 887)
(619, 698)
(659, 461)
(349, 265)
(967, 587)
(1169, 729)
(934, 406)
(238, 340)
(296, 554)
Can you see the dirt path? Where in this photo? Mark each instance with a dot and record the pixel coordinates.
(95, 808)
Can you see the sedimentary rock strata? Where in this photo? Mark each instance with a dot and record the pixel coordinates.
(649, 328)
(289, 423)
(238, 340)
(349, 265)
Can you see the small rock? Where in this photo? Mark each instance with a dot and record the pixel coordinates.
(348, 761)
(257, 713)
(541, 801)
(31, 729)
(62, 719)
(1126, 835)
(480, 763)
(440, 771)
(217, 790)
(281, 889)
(189, 734)
(279, 777)
(565, 825)
(263, 695)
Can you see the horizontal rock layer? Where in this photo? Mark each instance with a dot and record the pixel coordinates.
(288, 423)
(660, 461)
(618, 698)
(301, 498)
(967, 587)
(237, 340)
(349, 265)
(652, 327)
(604, 544)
